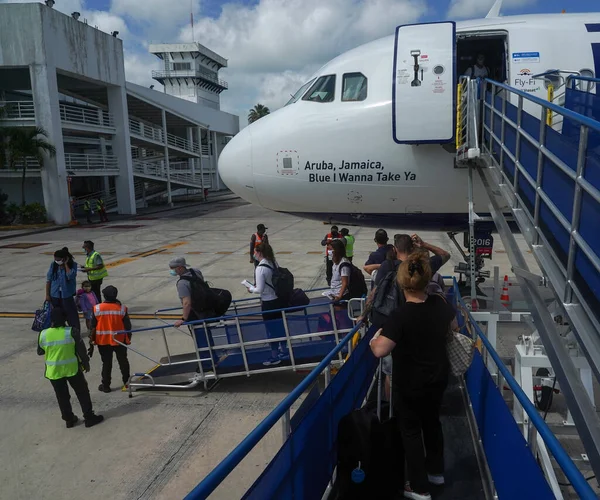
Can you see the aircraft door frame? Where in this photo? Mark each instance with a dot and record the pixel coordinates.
(424, 83)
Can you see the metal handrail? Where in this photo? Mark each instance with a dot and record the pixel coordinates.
(567, 113)
(18, 110)
(221, 471)
(85, 115)
(579, 483)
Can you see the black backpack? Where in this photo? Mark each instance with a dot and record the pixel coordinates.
(370, 450)
(388, 297)
(283, 282)
(207, 300)
(357, 286)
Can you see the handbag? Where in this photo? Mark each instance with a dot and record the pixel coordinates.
(460, 352)
(42, 318)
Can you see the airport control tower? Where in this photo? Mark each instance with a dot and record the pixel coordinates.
(190, 71)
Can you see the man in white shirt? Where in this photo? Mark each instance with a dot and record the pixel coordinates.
(478, 70)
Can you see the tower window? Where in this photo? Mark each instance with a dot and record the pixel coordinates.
(182, 66)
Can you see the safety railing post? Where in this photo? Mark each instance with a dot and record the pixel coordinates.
(502, 132)
(335, 329)
(576, 216)
(540, 173)
(492, 116)
(288, 340)
(166, 344)
(242, 346)
(210, 349)
(286, 426)
(197, 351)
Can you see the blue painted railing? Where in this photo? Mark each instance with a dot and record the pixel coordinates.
(221, 471)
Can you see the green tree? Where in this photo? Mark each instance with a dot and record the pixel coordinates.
(257, 112)
(24, 143)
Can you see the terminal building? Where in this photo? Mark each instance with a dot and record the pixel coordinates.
(127, 143)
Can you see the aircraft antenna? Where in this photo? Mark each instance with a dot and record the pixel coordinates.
(495, 10)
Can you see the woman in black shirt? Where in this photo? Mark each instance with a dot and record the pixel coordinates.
(415, 334)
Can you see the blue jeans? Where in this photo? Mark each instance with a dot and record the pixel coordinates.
(274, 323)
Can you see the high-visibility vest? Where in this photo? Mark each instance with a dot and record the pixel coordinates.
(109, 317)
(349, 245)
(86, 206)
(97, 274)
(257, 239)
(100, 205)
(60, 356)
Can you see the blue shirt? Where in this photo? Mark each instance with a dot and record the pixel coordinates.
(378, 256)
(62, 284)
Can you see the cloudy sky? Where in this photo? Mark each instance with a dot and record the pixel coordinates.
(273, 45)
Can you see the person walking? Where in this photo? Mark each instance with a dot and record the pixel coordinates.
(349, 242)
(87, 208)
(94, 267)
(416, 335)
(332, 235)
(61, 285)
(110, 317)
(101, 207)
(270, 302)
(86, 301)
(65, 356)
(256, 239)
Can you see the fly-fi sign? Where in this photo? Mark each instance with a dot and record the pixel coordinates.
(524, 81)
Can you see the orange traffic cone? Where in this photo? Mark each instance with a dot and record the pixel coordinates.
(504, 298)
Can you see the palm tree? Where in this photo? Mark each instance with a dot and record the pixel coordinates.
(24, 143)
(257, 112)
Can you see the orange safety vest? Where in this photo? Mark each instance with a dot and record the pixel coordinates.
(110, 319)
(258, 240)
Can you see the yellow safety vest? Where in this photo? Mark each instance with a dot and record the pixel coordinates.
(99, 273)
(60, 356)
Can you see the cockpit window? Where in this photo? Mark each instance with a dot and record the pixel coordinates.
(323, 90)
(354, 87)
(300, 92)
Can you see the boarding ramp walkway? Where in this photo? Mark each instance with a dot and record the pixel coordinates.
(486, 453)
(238, 343)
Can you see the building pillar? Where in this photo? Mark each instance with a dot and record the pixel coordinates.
(44, 88)
(190, 138)
(121, 146)
(199, 130)
(167, 164)
(214, 161)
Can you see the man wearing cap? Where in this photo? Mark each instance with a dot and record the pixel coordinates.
(179, 267)
(257, 238)
(110, 317)
(65, 358)
(94, 267)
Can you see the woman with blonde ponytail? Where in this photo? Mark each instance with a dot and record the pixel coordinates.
(416, 334)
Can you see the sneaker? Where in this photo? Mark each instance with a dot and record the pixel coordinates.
(272, 362)
(93, 420)
(436, 479)
(103, 388)
(409, 493)
(283, 355)
(71, 423)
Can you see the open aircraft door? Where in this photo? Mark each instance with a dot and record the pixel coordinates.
(424, 83)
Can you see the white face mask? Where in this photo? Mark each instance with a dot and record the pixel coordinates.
(59, 262)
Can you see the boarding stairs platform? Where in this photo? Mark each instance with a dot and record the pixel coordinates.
(202, 352)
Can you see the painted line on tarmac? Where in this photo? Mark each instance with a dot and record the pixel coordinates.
(27, 315)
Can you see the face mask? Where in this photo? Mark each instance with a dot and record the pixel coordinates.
(59, 262)
(172, 272)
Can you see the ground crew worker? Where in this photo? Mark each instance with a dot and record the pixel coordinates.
(65, 356)
(349, 242)
(94, 267)
(101, 210)
(326, 242)
(109, 317)
(257, 238)
(87, 208)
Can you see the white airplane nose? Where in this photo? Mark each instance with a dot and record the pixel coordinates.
(235, 166)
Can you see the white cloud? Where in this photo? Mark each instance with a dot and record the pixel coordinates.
(276, 44)
(476, 8)
(107, 22)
